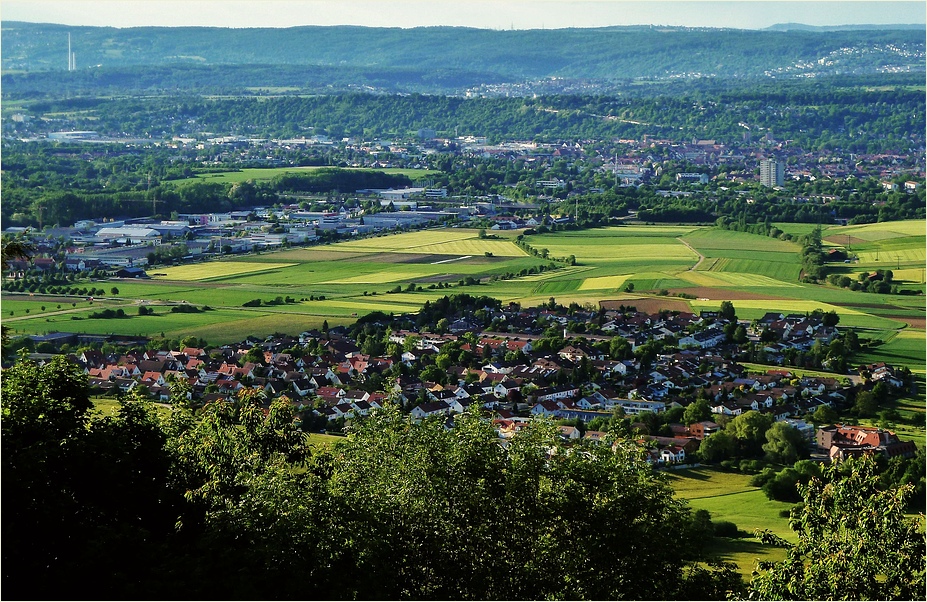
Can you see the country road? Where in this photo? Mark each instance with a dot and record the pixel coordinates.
(701, 257)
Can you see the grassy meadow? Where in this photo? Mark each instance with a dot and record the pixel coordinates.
(728, 496)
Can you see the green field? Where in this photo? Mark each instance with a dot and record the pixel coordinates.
(879, 231)
(757, 273)
(730, 497)
(896, 246)
(720, 240)
(730, 255)
(603, 282)
(217, 269)
(901, 348)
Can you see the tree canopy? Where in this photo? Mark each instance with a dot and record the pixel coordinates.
(854, 542)
(232, 502)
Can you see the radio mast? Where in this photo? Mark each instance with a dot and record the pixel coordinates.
(72, 58)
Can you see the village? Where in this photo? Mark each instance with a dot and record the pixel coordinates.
(670, 399)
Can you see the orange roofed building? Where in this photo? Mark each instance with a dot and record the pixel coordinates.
(841, 441)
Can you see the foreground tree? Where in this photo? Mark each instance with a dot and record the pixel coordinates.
(437, 514)
(231, 502)
(854, 542)
(80, 492)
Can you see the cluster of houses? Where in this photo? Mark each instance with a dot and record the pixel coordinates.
(794, 331)
(514, 381)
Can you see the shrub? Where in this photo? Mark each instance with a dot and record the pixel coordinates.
(726, 528)
(751, 466)
(760, 479)
(186, 309)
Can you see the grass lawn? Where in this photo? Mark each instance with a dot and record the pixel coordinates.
(728, 496)
(913, 408)
(905, 432)
(108, 406)
(323, 441)
(798, 372)
(17, 306)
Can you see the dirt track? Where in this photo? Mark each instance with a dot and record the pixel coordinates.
(701, 257)
(918, 323)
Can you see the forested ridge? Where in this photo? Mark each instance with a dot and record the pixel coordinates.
(449, 57)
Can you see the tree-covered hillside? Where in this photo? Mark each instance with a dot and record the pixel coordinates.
(611, 53)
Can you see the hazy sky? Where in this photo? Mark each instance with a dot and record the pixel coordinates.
(493, 14)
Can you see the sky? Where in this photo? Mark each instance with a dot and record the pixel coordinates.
(487, 14)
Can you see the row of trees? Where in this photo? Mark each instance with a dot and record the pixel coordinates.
(814, 115)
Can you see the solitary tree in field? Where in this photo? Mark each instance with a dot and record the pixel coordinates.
(727, 311)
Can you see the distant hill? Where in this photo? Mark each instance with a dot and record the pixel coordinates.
(447, 58)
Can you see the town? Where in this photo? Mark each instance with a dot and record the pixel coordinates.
(544, 184)
(433, 306)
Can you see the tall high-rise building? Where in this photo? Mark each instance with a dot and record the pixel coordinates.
(772, 172)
